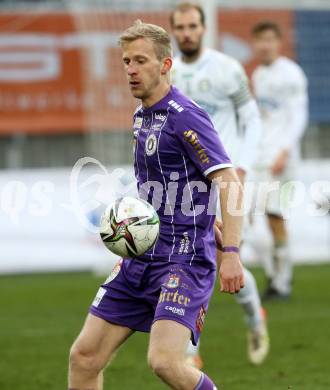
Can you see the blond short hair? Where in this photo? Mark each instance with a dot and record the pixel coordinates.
(158, 36)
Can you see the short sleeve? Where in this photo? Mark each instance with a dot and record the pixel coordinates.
(200, 141)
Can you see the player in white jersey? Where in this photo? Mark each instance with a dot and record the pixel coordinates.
(219, 84)
(280, 87)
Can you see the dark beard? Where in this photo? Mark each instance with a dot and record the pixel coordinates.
(190, 53)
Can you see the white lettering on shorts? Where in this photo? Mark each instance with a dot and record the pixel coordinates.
(99, 296)
(175, 310)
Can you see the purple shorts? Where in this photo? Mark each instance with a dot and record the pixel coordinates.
(136, 294)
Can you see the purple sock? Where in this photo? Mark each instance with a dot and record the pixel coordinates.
(205, 383)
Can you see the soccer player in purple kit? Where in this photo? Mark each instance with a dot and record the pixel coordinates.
(166, 291)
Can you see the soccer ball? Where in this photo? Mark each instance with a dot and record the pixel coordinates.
(129, 227)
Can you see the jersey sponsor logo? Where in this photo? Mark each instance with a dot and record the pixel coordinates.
(184, 244)
(176, 310)
(200, 319)
(151, 145)
(160, 117)
(138, 122)
(156, 126)
(191, 137)
(173, 281)
(174, 297)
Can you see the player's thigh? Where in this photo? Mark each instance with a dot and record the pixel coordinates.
(277, 226)
(266, 192)
(168, 339)
(278, 203)
(99, 339)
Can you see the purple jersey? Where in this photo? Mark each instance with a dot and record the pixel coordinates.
(176, 147)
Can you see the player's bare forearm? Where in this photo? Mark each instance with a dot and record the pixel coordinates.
(231, 198)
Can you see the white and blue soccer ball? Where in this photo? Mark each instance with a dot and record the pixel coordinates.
(129, 227)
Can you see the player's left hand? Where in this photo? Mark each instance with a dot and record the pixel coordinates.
(280, 162)
(231, 273)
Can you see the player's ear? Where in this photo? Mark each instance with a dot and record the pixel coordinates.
(167, 65)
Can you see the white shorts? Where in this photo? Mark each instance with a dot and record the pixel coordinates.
(272, 194)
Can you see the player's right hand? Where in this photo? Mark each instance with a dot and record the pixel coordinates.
(231, 273)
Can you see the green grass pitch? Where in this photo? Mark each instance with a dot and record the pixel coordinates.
(41, 315)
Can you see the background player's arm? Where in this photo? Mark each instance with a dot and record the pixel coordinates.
(231, 200)
(297, 114)
(248, 120)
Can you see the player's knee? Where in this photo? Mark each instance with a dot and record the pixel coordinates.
(162, 364)
(84, 360)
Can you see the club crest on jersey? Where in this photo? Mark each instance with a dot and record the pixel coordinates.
(146, 121)
(191, 137)
(204, 85)
(173, 281)
(151, 145)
